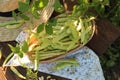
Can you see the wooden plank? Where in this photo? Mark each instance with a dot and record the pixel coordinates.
(104, 36)
(2, 76)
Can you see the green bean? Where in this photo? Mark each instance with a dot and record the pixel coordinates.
(65, 43)
(72, 46)
(70, 60)
(60, 47)
(36, 60)
(62, 20)
(44, 44)
(14, 25)
(60, 36)
(63, 65)
(8, 57)
(17, 73)
(50, 54)
(74, 31)
(11, 23)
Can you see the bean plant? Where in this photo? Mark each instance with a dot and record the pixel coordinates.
(58, 35)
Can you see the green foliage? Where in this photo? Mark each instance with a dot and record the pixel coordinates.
(40, 28)
(114, 13)
(25, 47)
(14, 49)
(23, 7)
(24, 17)
(57, 6)
(112, 54)
(31, 75)
(49, 29)
(14, 15)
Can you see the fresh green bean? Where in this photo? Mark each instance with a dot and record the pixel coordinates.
(59, 46)
(70, 60)
(36, 60)
(63, 65)
(16, 72)
(45, 44)
(8, 57)
(11, 22)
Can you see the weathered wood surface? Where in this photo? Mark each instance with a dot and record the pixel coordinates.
(106, 33)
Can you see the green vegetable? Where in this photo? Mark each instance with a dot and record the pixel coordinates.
(49, 55)
(11, 23)
(31, 75)
(16, 72)
(7, 58)
(63, 65)
(37, 58)
(70, 60)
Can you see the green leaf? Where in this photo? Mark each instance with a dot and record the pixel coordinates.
(27, 1)
(36, 14)
(49, 29)
(14, 15)
(106, 2)
(23, 7)
(15, 50)
(110, 63)
(40, 4)
(40, 28)
(43, 3)
(20, 54)
(57, 6)
(24, 17)
(25, 47)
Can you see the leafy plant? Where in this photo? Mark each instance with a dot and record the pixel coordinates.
(111, 56)
(56, 37)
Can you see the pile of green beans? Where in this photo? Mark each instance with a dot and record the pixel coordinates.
(68, 33)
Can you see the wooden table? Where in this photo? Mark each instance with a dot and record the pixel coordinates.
(104, 36)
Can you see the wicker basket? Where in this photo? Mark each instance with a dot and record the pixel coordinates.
(11, 34)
